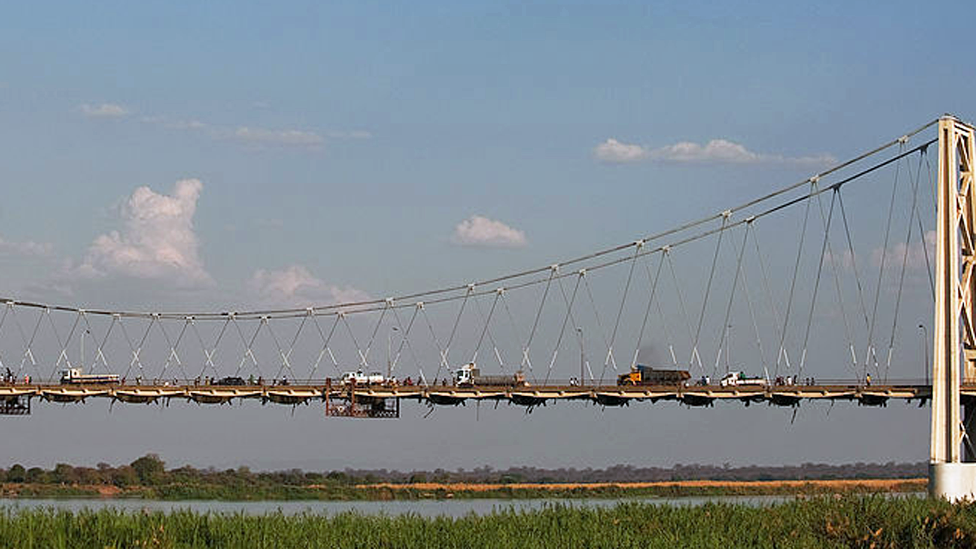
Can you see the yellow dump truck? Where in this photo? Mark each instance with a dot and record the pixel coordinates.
(645, 375)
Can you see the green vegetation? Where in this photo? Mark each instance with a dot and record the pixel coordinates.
(852, 521)
(332, 492)
(148, 478)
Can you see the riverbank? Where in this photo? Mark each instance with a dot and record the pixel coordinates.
(416, 491)
(835, 521)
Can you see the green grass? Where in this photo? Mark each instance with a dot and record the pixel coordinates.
(850, 521)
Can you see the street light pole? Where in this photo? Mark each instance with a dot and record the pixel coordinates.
(579, 330)
(925, 349)
(389, 351)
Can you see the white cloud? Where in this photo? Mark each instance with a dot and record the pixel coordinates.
(716, 151)
(255, 137)
(482, 231)
(295, 286)
(293, 138)
(612, 150)
(156, 241)
(355, 134)
(186, 125)
(104, 110)
(916, 254)
(841, 260)
(27, 247)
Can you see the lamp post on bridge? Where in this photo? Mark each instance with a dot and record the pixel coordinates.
(389, 351)
(925, 351)
(579, 331)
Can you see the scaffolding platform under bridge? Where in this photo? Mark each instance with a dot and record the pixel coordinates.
(350, 405)
(19, 405)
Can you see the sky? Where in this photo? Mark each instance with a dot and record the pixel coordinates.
(230, 155)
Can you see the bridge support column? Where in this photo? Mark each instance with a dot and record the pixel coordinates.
(952, 473)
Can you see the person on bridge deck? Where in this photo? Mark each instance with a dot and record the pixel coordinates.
(867, 379)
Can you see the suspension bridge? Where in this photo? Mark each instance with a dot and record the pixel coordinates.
(821, 289)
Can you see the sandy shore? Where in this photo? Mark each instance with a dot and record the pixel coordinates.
(860, 485)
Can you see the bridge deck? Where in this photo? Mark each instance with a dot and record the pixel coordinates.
(611, 395)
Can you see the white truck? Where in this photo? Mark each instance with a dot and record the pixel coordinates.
(360, 378)
(73, 376)
(739, 379)
(469, 375)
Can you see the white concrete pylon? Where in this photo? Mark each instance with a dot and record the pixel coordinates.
(954, 337)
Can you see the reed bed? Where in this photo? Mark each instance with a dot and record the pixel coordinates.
(846, 521)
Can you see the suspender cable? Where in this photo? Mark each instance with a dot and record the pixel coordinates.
(708, 288)
(647, 310)
(325, 346)
(638, 246)
(728, 309)
(816, 287)
(833, 267)
(136, 351)
(850, 249)
(553, 270)
(405, 340)
(440, 350)
(752, 312)
(562, 330)
(62, 344)
(599, 323)
(248, 346)
(904, 265)
(796, 270)
(884, 256)
(173, 355)
(684, 310)
(484, 329)
(209, 355)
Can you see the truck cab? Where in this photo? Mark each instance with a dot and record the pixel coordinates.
(464, 376)
(69, 375)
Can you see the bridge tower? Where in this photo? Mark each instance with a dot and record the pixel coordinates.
(952, 463)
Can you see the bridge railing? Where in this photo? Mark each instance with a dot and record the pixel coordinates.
(569, 383)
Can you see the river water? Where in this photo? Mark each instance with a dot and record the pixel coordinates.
(425, 508)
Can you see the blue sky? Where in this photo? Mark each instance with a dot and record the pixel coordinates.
(340, 147)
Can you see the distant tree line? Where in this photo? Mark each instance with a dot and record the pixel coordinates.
(150, 470)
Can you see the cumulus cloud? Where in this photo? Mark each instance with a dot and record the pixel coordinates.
(295, 286)
(156, 241)
(612, 150)
(27, 247)
(716, 151)
(481, 231)
(104, 110)
(915, 251)
(261, 136)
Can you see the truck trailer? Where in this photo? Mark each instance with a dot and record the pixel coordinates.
(469, 376)
(73, 376)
